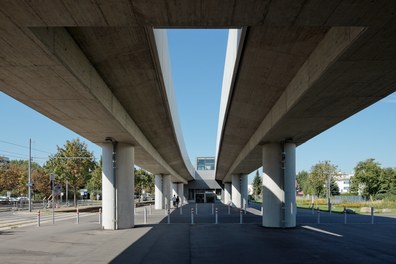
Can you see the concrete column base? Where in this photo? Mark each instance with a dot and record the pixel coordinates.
(117, 186)
(227, 193)
(159, 201)
(279, 196)
(236, 191)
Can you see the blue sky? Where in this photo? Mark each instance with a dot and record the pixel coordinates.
(197, 64)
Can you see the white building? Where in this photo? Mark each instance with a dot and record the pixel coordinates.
(250, 189)
(343, 181)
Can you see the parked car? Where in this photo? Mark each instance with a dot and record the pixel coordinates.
(147, 197)
(4, 200)
(22, 199)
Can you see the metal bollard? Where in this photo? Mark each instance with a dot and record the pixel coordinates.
(216, 217)
(229, 206)
(240, 217)
(145, 215)
(192, 216)
(345, 215)
(212, 208)
(38, 218)
(168, 216)
(196, 209)
(100, 216)
(318, 212)
(78, 216)
(372, 215)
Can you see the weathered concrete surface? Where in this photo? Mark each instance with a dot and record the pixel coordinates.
(93, 67)
(306, 80)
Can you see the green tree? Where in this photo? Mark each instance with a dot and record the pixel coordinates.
(334, 189)
(95, 183)
(303, 183)
(367, 178)
(72, 163)
(143, 181)
(320, 176)
(257, 185)
(388, 182)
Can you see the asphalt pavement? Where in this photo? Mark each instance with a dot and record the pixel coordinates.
(331, 241)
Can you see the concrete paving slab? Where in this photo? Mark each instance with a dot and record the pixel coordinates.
(67, 242)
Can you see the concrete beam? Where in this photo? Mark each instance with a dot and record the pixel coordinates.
(60, 44)
(332, 46)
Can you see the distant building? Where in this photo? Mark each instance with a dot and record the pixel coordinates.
(250, 189)
(343, 182)
(204, 189)
(206, 163)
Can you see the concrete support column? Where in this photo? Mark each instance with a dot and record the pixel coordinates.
(244, 190)
(290, 184)
(117, 186)
(279, 197)
(227, 193)
(180, 191)
(167, 190)
(159, 199)
(236, 191)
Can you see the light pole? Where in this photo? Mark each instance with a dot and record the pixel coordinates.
(30, 176)
(328, 192)
(67, 193)
(52, 178)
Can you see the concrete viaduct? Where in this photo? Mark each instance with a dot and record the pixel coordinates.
(293, 69)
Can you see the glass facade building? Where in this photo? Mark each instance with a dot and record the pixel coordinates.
(205, 163)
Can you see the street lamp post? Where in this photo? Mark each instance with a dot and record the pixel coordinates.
(67, 193)
(30, 176)
(52, 178)
(328, 192)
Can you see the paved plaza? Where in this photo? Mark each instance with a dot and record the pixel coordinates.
(331, 241)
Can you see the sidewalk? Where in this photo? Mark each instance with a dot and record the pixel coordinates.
(67, 242)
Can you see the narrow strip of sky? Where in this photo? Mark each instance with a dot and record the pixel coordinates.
(197, 59)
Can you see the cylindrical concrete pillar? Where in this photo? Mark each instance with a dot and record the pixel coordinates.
(159, 201)
(167, 190)
(244, 190)
(273, 195)
(236, 191)
(279, 208)
(290, 184)
(227, 193)
(125, 185)
(180, 192)
(108, 188)
(117, 186)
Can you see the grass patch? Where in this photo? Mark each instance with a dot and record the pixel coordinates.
(380, 206)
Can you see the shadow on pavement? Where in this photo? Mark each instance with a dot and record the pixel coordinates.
(230, 242)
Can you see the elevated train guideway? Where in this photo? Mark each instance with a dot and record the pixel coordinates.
(101, 69)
